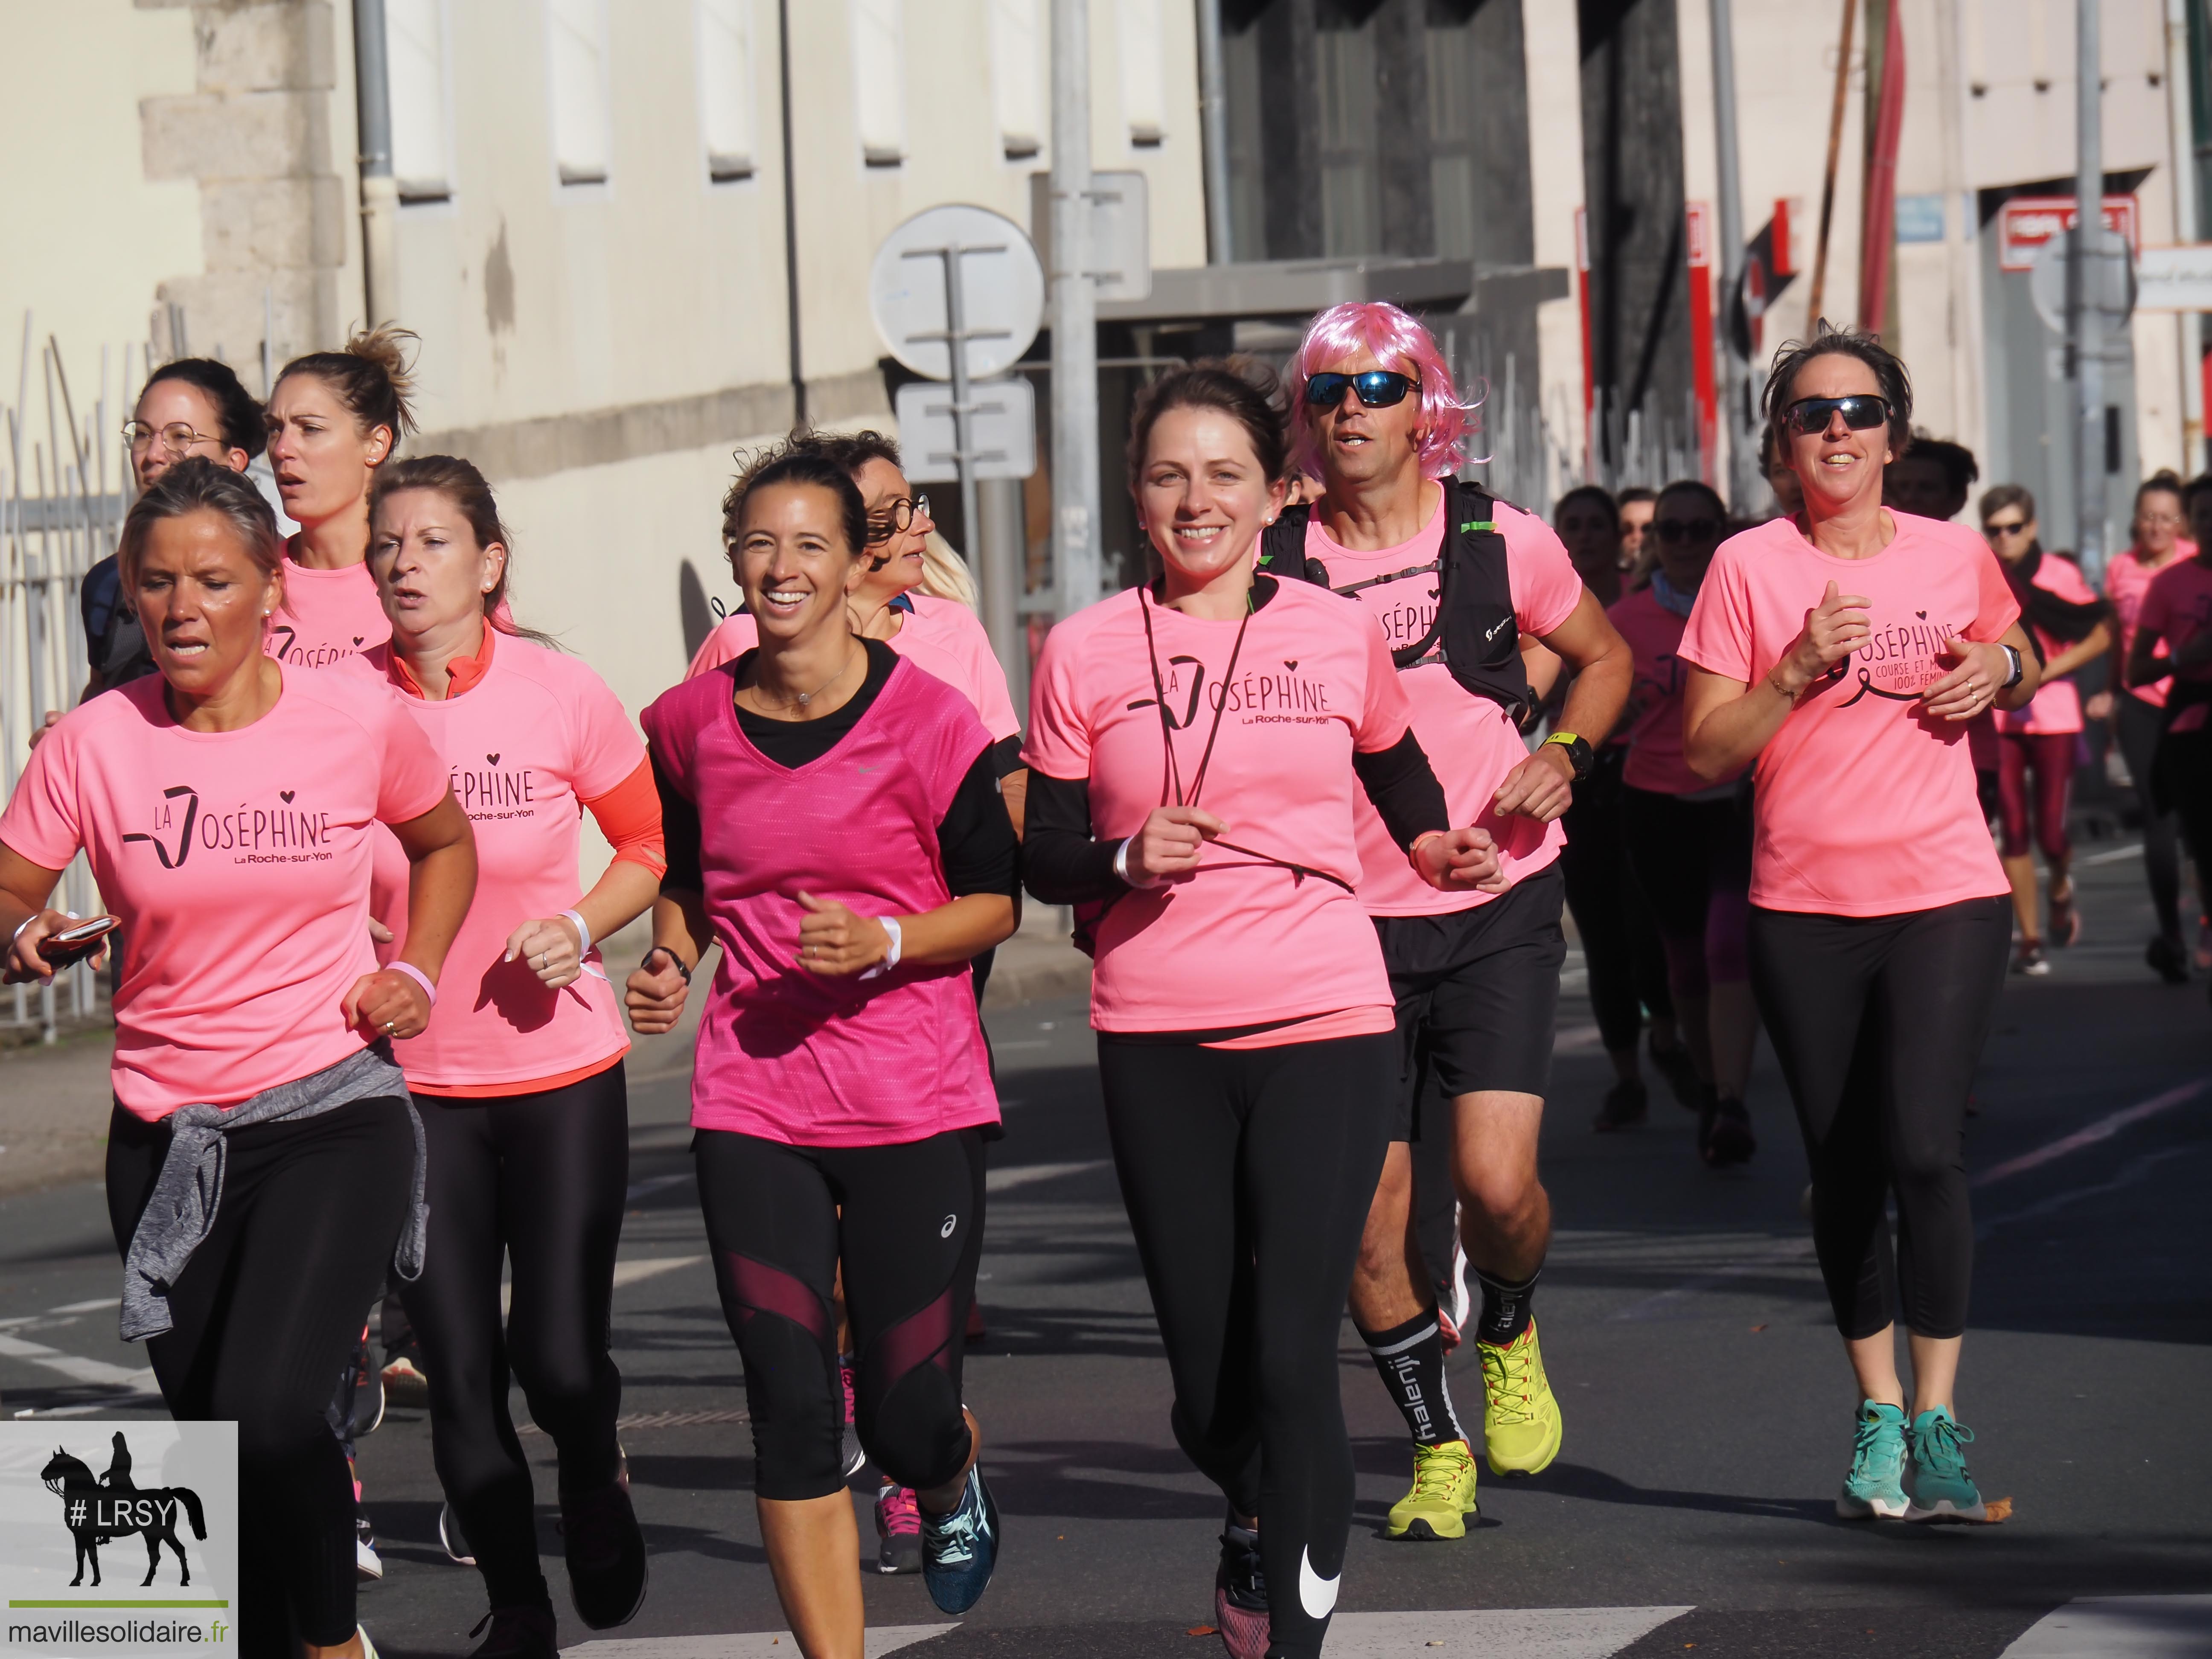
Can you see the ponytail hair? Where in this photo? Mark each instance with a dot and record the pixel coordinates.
(374, 377)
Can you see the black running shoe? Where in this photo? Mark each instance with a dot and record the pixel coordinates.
(517, 1633)
(1240, 1593)
(607, 1555)
(1627, 1103)
(1724, 1134)
(2168, 959)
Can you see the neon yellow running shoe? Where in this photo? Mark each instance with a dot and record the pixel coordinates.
(1442, 1495)
(1521, 1425)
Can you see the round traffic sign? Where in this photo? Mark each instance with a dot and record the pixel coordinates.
(1001, 290)
(2111, 278)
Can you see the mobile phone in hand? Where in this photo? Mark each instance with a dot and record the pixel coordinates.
(74, 944)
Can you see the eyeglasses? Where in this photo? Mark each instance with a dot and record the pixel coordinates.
(1993, 530)
(1674, 530)
(1378, 388)
(177, 436)
(893, 518)
(1862, 412)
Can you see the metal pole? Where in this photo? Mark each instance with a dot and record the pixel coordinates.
(1002, 538)
(963, 413)
(1213, 126)
(2084, 289)
(379, 192)
(1074, 316)
(1813, 311)
(790, 215)
(1736, 368)
(2182, 141)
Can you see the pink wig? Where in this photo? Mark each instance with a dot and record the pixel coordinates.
(1400, 341)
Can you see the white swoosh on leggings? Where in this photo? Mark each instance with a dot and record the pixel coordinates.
(1317, 1595)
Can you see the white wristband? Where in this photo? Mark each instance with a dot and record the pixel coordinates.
(890, 924)
(583, 933)
(1121, 860)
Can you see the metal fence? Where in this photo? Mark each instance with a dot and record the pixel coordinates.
(65, 484)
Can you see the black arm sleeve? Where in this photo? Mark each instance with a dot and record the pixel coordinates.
(680, 829)
(1061, 864)
(1403, 788)
(975, 838)
(1006, 755)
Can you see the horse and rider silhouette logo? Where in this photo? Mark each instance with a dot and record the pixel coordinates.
(98, 1511)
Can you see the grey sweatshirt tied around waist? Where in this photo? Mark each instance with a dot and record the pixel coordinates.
(181, 1213)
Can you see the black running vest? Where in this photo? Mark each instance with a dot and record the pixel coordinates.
(1473, 633)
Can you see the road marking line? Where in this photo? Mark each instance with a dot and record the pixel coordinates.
(757, 1645)
(2127, 1178)
(2103, 1129)
(652, 1184)
(1789, 1253)
(1024, 1175)
(2114, 856)
(75, 1367)
(637, 1268)
(2119, 1627)
(1525, 1632)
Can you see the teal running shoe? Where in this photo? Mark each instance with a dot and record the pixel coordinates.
(1874, 1489)
(960, 1549)
(1938, 1483)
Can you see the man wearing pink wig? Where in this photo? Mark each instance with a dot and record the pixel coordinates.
(1456, 580)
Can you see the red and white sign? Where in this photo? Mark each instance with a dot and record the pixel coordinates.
(2026, 222)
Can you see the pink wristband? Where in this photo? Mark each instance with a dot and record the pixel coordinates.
(418, 975)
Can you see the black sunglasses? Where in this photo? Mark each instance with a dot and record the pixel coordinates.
(1671, 531)
(1862, 412)
(1378, 388)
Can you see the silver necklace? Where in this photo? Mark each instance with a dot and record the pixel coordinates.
(805, 697)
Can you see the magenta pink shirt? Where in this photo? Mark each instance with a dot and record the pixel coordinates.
(327, 616)
(2177, 607)
(792, 1056)
(1470, 744)
(2127, 579)
(526, 745)
(1865, 807)
(239, 862)
(1655, 703)
(1244, 941)
(942, 637)
(2057, 705)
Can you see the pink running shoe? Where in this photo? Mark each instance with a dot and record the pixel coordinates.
(898, 1530)
(1240, 1594)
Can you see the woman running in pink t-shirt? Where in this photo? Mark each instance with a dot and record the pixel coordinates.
(1195, 748)
(520, 1083)
(262, 1160)
(834, 824)
(1845, 653)
(334, 419)
(2173, 645)
(2072, 630)
(1689, 838)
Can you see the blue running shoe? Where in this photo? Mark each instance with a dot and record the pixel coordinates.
(1874, 1489)
(959, 1550)
(1938, 1483)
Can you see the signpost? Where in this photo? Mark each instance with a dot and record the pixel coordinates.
(2174, 278)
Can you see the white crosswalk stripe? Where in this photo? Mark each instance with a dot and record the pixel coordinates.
(1524, 1632)
(2120, 1627)
(758, 1645)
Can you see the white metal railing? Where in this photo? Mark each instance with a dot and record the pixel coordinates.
(65, 486)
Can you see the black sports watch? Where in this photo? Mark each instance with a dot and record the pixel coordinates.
(2019, 668)
(646, 961)
(1580, 755)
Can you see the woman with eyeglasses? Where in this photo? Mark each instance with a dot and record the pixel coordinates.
(1842, 655)
(1621, 949)
(2173, 632)
(2071, 631)
(2138, 712)
(1689, 837)
(1196, 747)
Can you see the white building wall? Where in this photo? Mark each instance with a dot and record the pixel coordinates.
(1552, 47)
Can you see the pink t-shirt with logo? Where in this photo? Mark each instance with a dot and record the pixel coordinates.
(1470, 744)
(2057, 705)
(1654, 722)
(1245, 941)
(1865, 806)
(2177, 607)
(538, 735)
(2127, 579)
(942, 637)
(796, 1057)
(239, 863)
(327, 616)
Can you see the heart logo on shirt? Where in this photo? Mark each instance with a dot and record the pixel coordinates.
(494, 759)
(285, 795)
(1290, 663)
(356, 639)
(1923, 615)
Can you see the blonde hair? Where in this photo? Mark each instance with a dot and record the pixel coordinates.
(945, 574)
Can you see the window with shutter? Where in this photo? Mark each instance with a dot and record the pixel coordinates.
(578, 39)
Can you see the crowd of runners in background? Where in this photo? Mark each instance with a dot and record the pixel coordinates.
(1325, 796)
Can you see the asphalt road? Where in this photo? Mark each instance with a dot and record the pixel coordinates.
(1708, 1410)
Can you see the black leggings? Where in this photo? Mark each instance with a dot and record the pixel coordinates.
(1621, 946)
(1879, 1024)
(265, 1314)
(2138, 727)
(539, 1180)
(2185, 764)
(908, 1223)
(1692, 861)
(1248, 1175)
